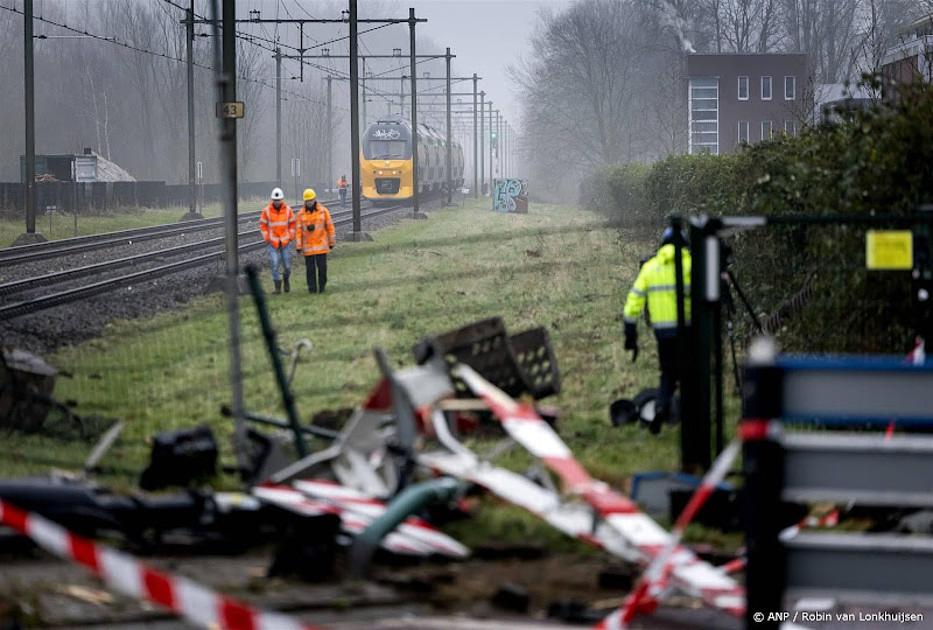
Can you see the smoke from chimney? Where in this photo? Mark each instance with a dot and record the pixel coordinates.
(672, 18)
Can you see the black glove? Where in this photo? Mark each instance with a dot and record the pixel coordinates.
(631, 339)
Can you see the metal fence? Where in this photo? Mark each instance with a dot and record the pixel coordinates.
(812, 285)
(93, 197)
(816, 284)
(171, 370)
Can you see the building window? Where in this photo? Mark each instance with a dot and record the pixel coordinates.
(743, 132)
(790, 127)
(743, 88)
(704, 115)
(766, 88)
(767, 131)
(790, 88)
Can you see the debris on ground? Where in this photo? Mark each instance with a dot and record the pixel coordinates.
(376, 486)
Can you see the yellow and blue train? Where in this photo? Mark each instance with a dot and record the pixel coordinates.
(386, 161)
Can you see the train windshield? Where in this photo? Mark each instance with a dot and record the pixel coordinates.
(387, 149)
(386, 141)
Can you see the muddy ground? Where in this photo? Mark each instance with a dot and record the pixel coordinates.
(483, 592)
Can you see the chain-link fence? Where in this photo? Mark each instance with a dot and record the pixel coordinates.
(816, 284)
(826, 285)
(567, 272)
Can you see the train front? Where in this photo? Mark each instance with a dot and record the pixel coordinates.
(385, 163)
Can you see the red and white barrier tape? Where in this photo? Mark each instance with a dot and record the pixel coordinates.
(830, 519)
(655, 577)
(125, 574)
(357, 511)
(628, 532)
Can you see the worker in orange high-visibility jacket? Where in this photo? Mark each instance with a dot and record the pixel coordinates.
(342, 186)
(315, 240)
(277, 224)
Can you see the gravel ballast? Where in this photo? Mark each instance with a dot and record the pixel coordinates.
(46, 331)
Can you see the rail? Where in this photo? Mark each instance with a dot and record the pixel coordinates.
(65, 296)
(80, 244)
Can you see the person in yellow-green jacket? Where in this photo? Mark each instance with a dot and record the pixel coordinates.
(656, 284)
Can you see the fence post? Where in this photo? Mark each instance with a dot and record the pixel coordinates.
(268, 333)
(763, 463)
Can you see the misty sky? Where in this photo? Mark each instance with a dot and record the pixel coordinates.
(487, 36)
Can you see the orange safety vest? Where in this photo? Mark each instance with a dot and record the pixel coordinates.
(342, 183)
(277, 226)
(315, 230)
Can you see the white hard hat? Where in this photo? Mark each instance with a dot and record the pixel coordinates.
(277, 194)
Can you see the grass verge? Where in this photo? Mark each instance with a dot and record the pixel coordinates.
(557, 266)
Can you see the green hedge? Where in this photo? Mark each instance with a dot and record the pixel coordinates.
(876, 160)
(618, 192)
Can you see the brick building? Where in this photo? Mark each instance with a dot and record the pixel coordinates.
(743, 98)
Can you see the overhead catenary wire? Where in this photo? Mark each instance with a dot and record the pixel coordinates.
(158, 54)
(250, 39)
(254, 40)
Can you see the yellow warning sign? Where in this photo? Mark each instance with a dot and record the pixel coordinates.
(889, 249)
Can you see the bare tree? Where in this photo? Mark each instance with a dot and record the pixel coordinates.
(255, 95)
(581, 88)
(826, 31)
(880, 21)
(744, 26)
(306, 134)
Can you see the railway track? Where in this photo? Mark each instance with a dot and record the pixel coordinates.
(82, 244)
(25, 284)
(65, 296)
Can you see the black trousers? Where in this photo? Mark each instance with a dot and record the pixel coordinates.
(319, 261)
(670, 376)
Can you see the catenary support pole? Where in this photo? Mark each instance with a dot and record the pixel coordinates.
(450, 139)
(475, 145)
(492, 176)
(506, 132)
(363, 88)
(328, 171)
(355, 117)
(29, 170)
(509, 152)
(503, 148)
(482, 140)
(512, 168)
(507, 137)
(189, 58)
(498, 143)
(401, 97)
(278, 118)
(225, 71)
(415, 172)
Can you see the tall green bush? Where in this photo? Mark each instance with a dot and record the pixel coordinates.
(878, 160)
(618, 192)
